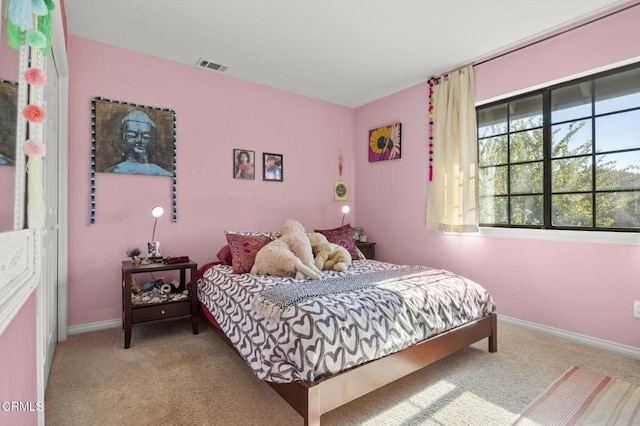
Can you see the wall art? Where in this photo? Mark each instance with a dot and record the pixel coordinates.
(385, 143)
(244, 164)
(129, 138)
(272, 167)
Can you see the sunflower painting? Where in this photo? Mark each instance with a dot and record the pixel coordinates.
(384, 143)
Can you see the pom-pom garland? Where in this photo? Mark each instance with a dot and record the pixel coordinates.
(431, 84)
(39, 8)
(33, 148)
(34, 113)
(35, 77)
(35, 39)
(20, 14)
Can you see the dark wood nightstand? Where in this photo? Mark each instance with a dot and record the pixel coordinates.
(186, 307)
(368, 249)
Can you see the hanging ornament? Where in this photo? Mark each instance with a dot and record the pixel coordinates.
(29, 21)
(34, 114)
(20, 13)
(39, 8)
(340, 159)
(431, 84)
(35, 150)
(35, 77)
(36, 39)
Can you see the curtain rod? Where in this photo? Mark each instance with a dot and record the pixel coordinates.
(436, 79)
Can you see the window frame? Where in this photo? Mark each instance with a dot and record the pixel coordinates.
(547, 125)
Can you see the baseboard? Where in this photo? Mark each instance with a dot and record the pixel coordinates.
(94, 326)
(576, 337)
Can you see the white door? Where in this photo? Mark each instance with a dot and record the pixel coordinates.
(48, 288)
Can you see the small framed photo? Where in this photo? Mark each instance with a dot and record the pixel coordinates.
(244, 164)
(153, 249)
(272, 167)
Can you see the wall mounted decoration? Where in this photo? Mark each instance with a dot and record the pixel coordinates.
(272, 167)
(244, 164)
(8, 121)
(385, 143)
(340, 190)
(132, 139)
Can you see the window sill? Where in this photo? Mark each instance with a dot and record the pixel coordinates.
(557, 235)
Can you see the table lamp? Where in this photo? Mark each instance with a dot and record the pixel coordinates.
(153, 246)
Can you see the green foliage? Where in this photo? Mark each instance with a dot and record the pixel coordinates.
(572, 183)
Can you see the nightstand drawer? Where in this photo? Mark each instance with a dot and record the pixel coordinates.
(165, 310)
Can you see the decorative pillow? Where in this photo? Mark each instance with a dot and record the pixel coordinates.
(224, 255)
(243, 251)
(343, 237)
(271, 235)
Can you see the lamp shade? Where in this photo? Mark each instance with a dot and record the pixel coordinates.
(345, 210)
(157, 211)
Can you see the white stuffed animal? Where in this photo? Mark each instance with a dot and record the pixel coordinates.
(288, 256)
(329, 256)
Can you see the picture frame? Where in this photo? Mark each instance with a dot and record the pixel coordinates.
(153, 249)
(8, 122)
(385, 143)
(340, 190)
(133, 139)
(244, 164)
(357, 232)
(272, 167)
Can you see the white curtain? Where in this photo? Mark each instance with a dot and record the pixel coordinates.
(451, 194)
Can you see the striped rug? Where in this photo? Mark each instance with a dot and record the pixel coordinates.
(582, 397)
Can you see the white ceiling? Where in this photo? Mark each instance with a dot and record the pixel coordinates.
(347, 52)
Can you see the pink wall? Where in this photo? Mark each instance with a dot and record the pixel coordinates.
(215, 114)
(18, 367)
(587, 288)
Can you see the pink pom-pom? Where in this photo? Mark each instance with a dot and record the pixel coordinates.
(35, 77)
(34, 113)
(34, 148)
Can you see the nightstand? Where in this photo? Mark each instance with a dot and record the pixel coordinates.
(186, 307)
(368, 249)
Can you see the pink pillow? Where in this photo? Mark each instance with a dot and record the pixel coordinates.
(243, 251)
(224, 255)
(343, 237)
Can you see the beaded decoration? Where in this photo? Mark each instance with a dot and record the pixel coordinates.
(431, 82)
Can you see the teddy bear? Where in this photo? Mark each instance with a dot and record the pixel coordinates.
(329, 256)
(288, 256)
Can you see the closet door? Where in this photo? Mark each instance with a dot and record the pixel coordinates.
(48, 288)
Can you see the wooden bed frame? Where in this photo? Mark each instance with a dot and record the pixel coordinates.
(311, 400)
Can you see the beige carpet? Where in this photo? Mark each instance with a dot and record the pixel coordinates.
(171, 377)
(583, 397)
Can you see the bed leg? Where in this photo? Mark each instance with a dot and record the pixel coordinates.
(313, 407)
(493, 337)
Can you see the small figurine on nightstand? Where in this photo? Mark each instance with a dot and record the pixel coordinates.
(134, 254)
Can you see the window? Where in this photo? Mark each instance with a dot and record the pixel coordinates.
(564, 157)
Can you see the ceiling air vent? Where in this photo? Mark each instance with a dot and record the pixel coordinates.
(211, 65)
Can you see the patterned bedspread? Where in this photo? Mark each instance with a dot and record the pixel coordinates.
(327, 333)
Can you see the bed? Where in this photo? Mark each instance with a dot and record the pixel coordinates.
(321, 344)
